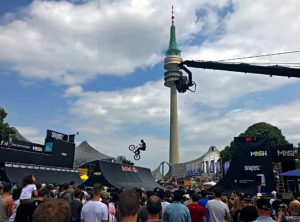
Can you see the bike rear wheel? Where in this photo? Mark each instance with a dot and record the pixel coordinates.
(131, 147)
(137, 156)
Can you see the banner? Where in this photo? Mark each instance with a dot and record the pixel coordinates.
(285, 155)
(56, 135)
(22, 146)
(226, 166)
(252, 156)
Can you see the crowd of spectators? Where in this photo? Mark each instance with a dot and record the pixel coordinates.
(31, 201)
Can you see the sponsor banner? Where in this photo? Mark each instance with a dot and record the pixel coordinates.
(226, 166)
(282, 153)
(252, 156)
(56, 135)
(129, 169)
(48, 147)
(23, 146)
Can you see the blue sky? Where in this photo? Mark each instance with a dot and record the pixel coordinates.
(96, 67)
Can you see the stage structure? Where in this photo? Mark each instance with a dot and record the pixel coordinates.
(118, 175)
(51, 162)
(253, 164)
(207, 167)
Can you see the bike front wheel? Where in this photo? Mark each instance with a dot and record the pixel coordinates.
(137, 156)
(132, 147)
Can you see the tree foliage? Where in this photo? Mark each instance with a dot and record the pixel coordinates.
(262, 128)
(127, 162)
(4, 127)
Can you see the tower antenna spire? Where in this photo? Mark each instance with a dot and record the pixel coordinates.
(172, 15)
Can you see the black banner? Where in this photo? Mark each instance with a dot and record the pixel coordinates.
(56, 135)
(252, 157)
(285, 155)
(22, 146)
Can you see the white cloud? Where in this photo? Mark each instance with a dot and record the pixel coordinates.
(72, 43)
(73, 91)
(31, 133)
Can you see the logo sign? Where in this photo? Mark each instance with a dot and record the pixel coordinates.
(252, 167)
(258, 153)
(286, 153)
(37, 148)
(129, 169)
(57, 135)
(64, 154)
(48, 147)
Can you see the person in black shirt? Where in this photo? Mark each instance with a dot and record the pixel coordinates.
(25, 211)
(141, 147)
(76, 206)
(249, 212)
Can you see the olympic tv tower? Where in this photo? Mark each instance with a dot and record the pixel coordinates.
(172, 60)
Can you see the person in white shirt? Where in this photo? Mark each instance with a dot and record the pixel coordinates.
(218, 211)
(28, 188)
(94, 210)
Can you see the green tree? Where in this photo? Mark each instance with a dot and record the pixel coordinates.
(127, 162)
(4, 127)
(297, 155)
(262, 128)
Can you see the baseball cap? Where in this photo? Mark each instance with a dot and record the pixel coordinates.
(161, 193)
(259, 194)
(263, 204)
(247, 196)
(273, 193)
(105, 195)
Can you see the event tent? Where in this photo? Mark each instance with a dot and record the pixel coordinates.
(292, 173)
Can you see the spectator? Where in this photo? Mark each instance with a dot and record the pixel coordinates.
(94, 210)
(190, 194)
(71, 189)
(76, 206)
(278, 203)
(1, 188)
(273, 193)
(112, 204)
(25, 211)
(28, 188)
(203, 202)
(176, 211)
(225, 200)
(105, 200)
(51, 210)
(235, 210)
(196, 210)
(143, 198)
(162, 195)
(264, 211)
(218, 211)
(294, 212)
(295, 195)
(168, 196)
(248, 213)
(6, 203)
(154, 208)
(16, 198)
(128, 206)
(64, 193)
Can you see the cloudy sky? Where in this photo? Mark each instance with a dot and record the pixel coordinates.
(96, 67)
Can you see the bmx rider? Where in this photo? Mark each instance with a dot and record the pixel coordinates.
(141, 147)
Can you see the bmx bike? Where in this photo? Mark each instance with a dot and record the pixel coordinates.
(134, 148)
